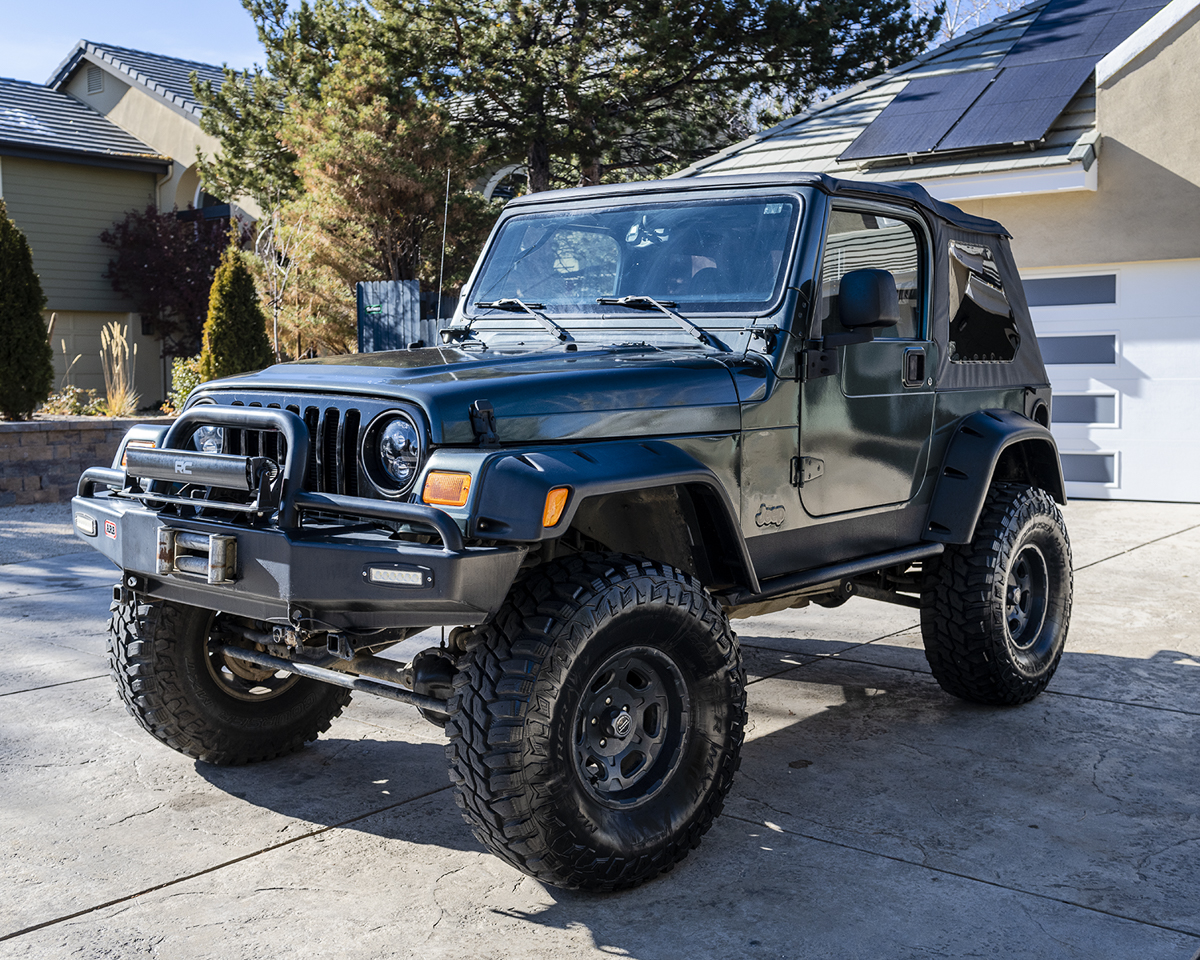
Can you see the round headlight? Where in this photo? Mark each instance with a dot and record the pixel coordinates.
(400, 450)
(209, 439)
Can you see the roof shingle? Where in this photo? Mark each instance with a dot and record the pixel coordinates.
(35, 120)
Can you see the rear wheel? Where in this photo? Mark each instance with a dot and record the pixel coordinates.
(202, 703)
(597, 721)
(995, 612)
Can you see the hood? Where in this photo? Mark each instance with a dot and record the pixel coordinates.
(550, 395)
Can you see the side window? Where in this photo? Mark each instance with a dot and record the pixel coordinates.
(981, 321)
(858, 241)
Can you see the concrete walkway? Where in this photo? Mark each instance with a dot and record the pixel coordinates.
(874, 817)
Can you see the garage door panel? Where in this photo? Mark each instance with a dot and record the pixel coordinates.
(1145, 442)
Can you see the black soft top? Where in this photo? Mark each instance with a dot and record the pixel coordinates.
(911, 193)
(949, 226)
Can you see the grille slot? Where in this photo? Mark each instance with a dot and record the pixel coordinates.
(330, 454)
(349, 447)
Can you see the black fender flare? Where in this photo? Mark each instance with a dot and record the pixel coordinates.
(513, 487)
(969, 466)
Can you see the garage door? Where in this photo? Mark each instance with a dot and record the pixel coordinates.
(1122, 348)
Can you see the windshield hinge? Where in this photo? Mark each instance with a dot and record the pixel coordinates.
(483, 423)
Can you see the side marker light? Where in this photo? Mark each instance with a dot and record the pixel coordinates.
(556, 501)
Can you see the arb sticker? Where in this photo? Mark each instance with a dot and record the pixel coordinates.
(110, 529)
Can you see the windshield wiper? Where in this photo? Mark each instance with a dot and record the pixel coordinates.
(649, 303)
(514, 305)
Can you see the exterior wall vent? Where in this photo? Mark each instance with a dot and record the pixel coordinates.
(95, 80)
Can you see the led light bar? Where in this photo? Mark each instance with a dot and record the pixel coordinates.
(400, 576)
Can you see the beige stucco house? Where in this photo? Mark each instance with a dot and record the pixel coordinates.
(1073, 123)
(112, 130)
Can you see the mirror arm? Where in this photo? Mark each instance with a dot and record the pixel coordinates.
(861, 335)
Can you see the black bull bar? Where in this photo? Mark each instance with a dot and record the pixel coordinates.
(272, 567)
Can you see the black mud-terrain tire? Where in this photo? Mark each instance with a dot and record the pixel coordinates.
(995, 612)
(158, 655)
(578, 640)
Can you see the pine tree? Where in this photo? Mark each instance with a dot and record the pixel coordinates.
(26, 360)
(235, 333)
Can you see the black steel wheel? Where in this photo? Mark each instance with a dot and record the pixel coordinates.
(202, 703)
(597, 721)
(995, 612)
(631, 726)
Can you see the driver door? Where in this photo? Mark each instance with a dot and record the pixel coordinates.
(864, 432)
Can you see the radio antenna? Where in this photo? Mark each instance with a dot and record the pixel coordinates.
(442, 266)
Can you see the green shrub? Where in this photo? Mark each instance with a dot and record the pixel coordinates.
(26, 361)
(235, 333)
(185, 377)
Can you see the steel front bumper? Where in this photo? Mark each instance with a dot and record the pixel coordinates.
(336, 570)
(322, 574)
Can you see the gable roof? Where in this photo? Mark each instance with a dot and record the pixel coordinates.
(43, 124)
(946, 84)
(165, 77)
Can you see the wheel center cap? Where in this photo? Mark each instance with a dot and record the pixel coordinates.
(622, 724)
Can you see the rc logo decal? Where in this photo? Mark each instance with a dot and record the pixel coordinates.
(183, 466)
(110, 529)
(770, 516)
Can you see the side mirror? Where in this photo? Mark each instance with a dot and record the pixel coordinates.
(868, 298)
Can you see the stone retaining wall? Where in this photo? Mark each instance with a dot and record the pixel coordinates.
(41, 460)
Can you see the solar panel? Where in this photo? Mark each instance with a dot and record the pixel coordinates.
(1077, 28)
(1036, 80)
(1020, 105)
(919, 115)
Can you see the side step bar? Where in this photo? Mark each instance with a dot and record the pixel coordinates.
(791, 583)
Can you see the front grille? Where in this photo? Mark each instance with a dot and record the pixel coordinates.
(335, 428)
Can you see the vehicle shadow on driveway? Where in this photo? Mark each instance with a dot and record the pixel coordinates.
(350, 784)
(870, 808)
(872, 805)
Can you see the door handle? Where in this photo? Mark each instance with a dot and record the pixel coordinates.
(914, 366)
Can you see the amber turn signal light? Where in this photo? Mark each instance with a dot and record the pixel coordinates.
(146, 444)
(447, 489)
(556, 500)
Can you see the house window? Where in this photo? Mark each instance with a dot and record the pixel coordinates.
(1095, 348)
(858, 240)
(95, 80)
(981, 320)
(1063, 291)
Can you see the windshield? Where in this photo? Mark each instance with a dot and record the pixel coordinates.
(702, 256)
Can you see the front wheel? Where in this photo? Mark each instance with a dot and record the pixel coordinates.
(995, 612)
(202, 703)
(597, 722)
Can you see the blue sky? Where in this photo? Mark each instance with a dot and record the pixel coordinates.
(35, 36)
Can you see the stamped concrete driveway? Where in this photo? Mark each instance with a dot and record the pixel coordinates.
(874, 816)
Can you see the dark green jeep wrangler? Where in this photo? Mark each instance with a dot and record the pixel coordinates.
(659, 406)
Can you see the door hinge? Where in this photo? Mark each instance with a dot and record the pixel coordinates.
(819, 363)
(806, 469)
